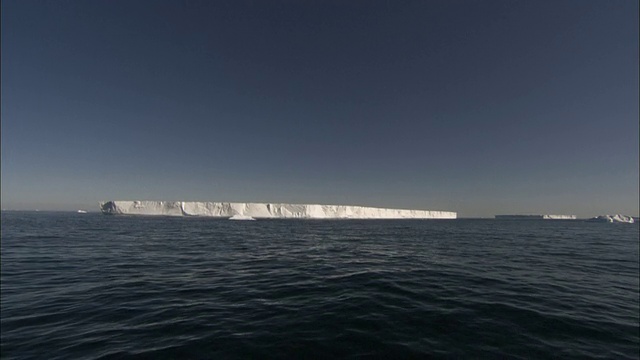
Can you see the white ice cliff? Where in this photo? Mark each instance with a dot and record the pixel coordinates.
(266, 210)
(613, 218)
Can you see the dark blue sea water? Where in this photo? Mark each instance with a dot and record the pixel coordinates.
(93, 286)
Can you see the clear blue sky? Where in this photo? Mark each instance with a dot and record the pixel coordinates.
(482, 107)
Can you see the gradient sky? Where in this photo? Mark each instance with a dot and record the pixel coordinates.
(480, 107)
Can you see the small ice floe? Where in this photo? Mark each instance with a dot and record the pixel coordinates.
(241, 217)
(617, 218)
(82, 212)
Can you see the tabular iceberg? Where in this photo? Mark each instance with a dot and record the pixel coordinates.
(266, 210)
(536, 217)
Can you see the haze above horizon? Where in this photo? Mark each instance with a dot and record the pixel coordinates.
(484, 108)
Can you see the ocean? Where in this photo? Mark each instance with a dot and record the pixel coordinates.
(91, 286)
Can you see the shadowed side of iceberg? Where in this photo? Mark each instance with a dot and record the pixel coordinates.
(170, 208)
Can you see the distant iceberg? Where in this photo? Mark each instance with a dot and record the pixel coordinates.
(617, 218)
(536, 217)
(266, 210)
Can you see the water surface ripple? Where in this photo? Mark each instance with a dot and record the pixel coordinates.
(109, 287)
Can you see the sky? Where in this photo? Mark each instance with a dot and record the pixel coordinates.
(479, 107)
